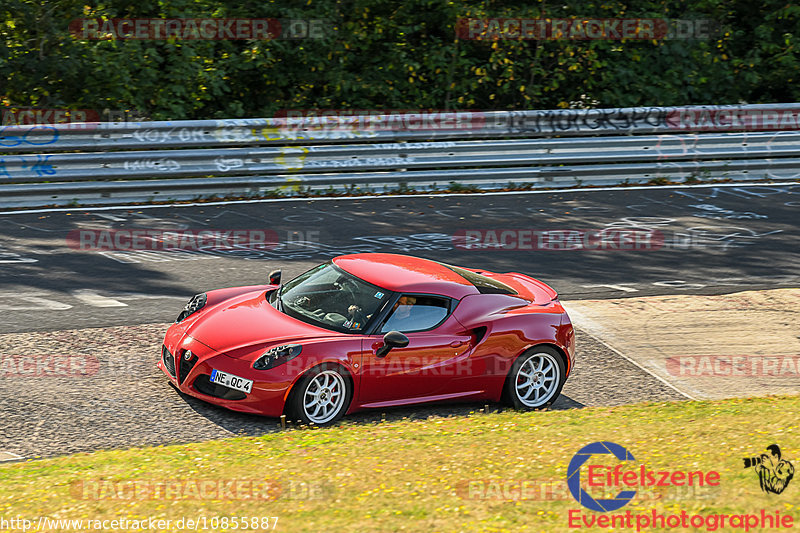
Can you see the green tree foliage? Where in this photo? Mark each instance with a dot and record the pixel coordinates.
(393, 55)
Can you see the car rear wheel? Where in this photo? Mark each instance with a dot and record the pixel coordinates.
(321, 396)
(535, 379)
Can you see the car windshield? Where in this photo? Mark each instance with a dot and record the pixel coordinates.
(329, 297)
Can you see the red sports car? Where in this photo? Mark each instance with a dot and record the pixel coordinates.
(372, 331)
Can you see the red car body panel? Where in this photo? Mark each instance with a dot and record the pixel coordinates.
(466, 357)
(403, 273)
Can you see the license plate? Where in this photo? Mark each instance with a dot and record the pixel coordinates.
(229, 380)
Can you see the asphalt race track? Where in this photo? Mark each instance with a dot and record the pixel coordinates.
(113, 305)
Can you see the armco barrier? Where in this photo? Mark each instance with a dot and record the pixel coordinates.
(183, 160)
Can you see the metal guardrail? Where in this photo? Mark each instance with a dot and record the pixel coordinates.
(187, 160)
(387, 157)
(105, 136)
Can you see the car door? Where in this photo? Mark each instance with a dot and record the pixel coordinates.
(437, 344)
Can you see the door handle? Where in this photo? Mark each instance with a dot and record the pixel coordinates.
(456, 344)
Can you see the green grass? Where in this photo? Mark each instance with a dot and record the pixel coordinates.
(409, 474)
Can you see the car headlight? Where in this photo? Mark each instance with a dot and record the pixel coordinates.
(277, 356)
(197, 302)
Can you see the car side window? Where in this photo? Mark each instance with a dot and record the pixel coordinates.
(416, 313)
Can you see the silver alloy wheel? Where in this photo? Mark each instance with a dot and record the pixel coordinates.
(537, 379)
(324, 397)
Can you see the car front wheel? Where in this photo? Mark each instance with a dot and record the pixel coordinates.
(535, 379)
(321, 397)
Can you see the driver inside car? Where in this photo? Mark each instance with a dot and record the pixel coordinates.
(400, 317)
(331, 309)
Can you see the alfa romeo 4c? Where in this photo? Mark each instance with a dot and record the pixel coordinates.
(372, 331)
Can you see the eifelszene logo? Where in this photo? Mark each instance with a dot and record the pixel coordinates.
(609, 478)
(598, 465)
(774, 473)
(574, 477)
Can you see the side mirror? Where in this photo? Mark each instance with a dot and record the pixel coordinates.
(393, 339)
(275, 277)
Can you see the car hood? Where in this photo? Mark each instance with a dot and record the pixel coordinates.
(248, 320)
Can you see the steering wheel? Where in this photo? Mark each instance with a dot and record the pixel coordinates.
(349, 287)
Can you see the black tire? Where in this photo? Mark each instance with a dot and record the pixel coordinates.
(314, 402)
(535, 379)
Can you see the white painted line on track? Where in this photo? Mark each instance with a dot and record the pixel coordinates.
(130, 207)
(8, 457)
(143, 296)
(593, 329)
(621, 288)
(91, 297)
(113, 218)
(38, 299)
